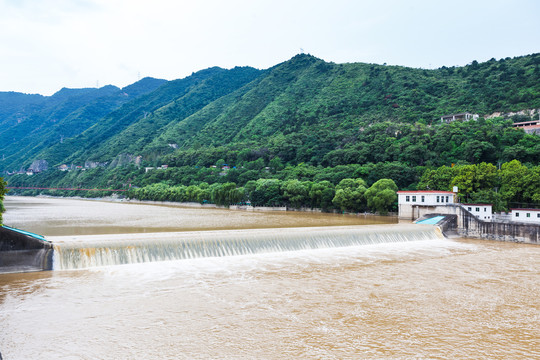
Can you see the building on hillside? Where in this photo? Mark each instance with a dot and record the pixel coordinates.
(481, 211)
(466, 116)
(410, 202)
(525, 215)
(530, 127)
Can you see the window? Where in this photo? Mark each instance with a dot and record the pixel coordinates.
(538, 215)
(414, 198)
(469, 208)
(517, 214)
(424, 199)
(485, 209)
(477, 209)
(407, 198)
(528, 214)
(438, 200)
(447, 199)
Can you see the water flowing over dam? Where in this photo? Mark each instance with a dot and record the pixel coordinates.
(408, 293)
(102, 250)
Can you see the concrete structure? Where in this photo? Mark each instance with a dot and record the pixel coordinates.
(460, 222)
(530, 127)
(481, 211)
(525, 215)
(410, 203)
(466, 116)
(21, 251)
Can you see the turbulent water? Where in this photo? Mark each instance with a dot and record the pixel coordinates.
(430, 298)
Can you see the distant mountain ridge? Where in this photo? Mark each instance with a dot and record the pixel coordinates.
(304, 109)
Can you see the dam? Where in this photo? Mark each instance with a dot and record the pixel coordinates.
(104, 250)
(373, 289)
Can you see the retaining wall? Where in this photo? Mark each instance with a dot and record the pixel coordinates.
(23, 253)
(468, 225)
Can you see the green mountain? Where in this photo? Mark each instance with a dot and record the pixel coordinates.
(302, 110)
(33, 123)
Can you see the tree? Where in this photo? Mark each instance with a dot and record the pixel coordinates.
(321, 194)
(267, 192)
(350, 194)
(471, 178)
(438, 179)
(513, 174)
(297, 192)
(381, 195)
(3, 192)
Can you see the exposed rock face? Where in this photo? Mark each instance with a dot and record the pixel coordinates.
(525, 112)
(125, 159)
(39, 166)
(94, 164)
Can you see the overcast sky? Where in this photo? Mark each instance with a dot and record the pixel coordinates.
(49, 44)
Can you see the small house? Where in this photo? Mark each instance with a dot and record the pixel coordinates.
(409, 202)
(530, 127)
(466, 116)
(525, 215)
(480, 211)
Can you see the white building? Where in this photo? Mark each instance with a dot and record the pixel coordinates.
(525, 215)
(410, 201)
(481, 211)
(466, 116)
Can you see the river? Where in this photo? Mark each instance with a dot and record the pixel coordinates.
(428, 299)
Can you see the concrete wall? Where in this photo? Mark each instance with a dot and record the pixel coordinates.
(467, 225)
(23, 253)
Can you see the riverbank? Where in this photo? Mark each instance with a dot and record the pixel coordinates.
(117, 199)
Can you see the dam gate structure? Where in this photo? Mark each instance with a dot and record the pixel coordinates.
(461, 222)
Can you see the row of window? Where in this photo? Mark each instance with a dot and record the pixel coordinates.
(528, 215)
(440, 199)
(408, 198)
(443, 198)
(476, 209)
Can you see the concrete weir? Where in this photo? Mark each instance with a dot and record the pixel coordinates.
(22, 251)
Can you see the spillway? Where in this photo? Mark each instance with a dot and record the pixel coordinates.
(81, 252)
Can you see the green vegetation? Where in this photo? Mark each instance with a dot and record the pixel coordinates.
(513, 185)
(3, 192)
(381, 195)
(304, 133)
(333, 188)
(30, 124)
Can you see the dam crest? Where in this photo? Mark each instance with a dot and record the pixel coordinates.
(83, 252)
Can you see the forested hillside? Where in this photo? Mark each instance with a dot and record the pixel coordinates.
(32, 123)
(333, 121)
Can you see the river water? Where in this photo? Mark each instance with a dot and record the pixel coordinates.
(426, 299)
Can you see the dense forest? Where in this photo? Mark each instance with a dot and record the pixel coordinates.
(302, 133)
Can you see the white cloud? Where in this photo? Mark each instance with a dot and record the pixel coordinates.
(48, 44)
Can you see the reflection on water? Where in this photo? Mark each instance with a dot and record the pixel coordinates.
(432, 299)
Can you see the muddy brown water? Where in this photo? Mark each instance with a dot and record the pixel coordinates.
(428, 299)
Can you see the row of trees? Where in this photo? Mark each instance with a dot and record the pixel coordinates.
(351, 195)
(511, 184)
